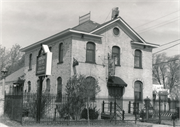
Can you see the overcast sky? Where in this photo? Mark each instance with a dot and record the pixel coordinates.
(27, 21)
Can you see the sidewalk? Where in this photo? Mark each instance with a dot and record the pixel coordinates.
(9, 123)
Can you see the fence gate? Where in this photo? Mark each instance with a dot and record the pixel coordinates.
(13, 107)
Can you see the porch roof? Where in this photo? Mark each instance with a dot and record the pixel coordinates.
(116, 82)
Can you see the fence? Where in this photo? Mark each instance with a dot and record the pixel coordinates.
(13, 106)
(66, 110)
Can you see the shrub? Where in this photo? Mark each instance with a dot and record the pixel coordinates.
(30, 107)
(93, 113)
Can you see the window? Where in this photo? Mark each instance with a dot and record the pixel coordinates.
(47, 86)
(90, 52)
(59, 89)
(60, 52)
(29, 86)
(30, 62)
(116, 31)
(116, 54)
(91, 87)
(138, 59)
(138, 90)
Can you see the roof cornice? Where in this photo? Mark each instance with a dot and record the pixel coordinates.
(104, 25)
(90, 34)
(146, 44)
(57, 35)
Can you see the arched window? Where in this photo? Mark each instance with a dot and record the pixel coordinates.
(59, 89)
(60, 52)
(30, 61)
(116, 54)
(138, 90)
(29, 86)
(90, 52)
(91, 87)
(138, 59)
(47, 86)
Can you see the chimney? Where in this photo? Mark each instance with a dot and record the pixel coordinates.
(115, 13)
(85, 18)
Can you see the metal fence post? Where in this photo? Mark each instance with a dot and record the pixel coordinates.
(129, 107)
(115, 110)
(110, 108)
(159, 109)
(103, 107)
(147, 106)
(135, 110)
(12, 101)
(123, 112)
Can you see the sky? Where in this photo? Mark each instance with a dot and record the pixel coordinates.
(25, 22)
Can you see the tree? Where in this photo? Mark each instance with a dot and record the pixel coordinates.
(173, 72)
(12, 59)
(15, 58)
(166, 70)
(160, 68)
(4, 58)
(78, 90)
(175, 92)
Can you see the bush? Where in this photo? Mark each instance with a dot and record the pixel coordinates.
(143, 114)
(30, 107)
(93, 113)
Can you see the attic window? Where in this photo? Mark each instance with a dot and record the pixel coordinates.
(116, 31)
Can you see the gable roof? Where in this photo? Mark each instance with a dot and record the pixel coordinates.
(91, 28)
(127, 29)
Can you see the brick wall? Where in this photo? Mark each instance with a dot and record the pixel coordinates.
(125, 71)
(58, 69)
(75, 47)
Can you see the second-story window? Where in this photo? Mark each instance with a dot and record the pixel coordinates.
(60, 52)
(30, 61)
(116, 55)
(138, 59)
(90, 52)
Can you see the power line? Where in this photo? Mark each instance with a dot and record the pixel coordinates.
(170, 42)
(156, 19)
(166, 48)
(166, 62)
(158, 25)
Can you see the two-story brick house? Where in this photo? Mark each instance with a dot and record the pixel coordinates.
(92, 44)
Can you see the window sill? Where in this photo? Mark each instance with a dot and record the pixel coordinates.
(118, 65)
(29, 69)
(138, 67)
(60, 62)
(90, 62)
